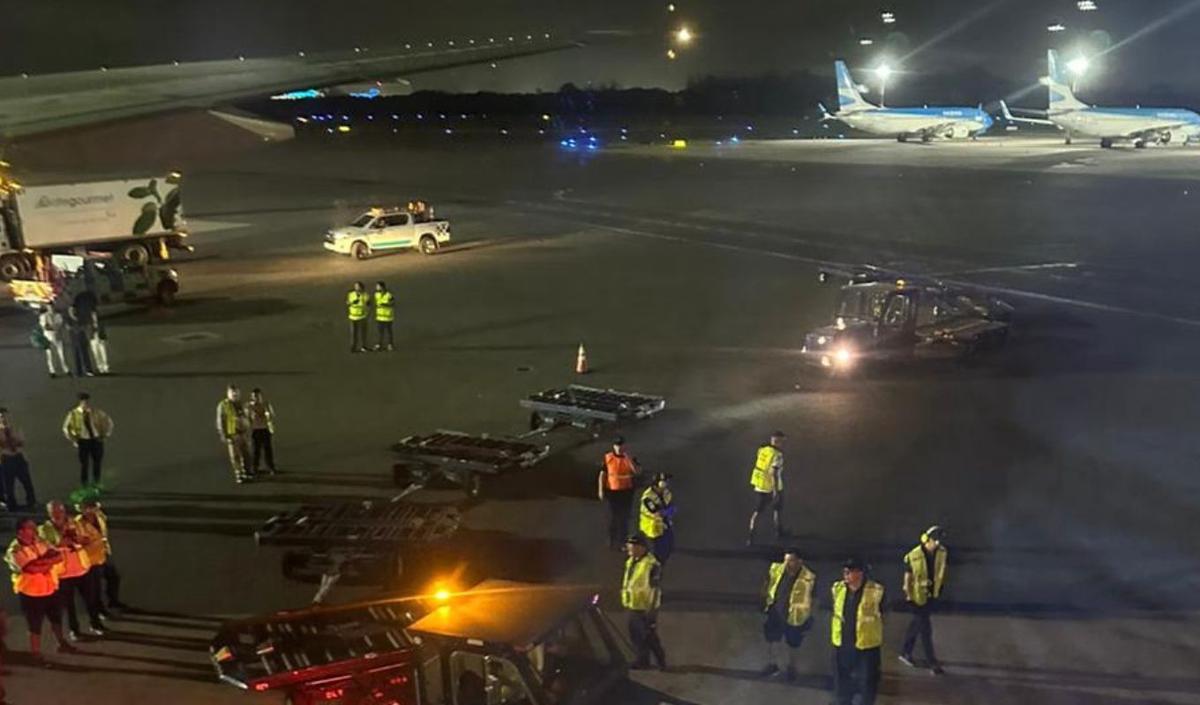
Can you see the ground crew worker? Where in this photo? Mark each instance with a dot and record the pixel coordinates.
(62, 532)
(106, 581)
(385, 313)
(656, 515)
(788, 607)
(14, 466)
(857, 635)
(262, 429)
(51, 331)
(924, 577)
(767, 481)
(641, 594)
(35, 566)
(233, 426)
(87, 427)
(615, 485)
(357, 301)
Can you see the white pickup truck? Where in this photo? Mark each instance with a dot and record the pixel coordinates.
(386, 229)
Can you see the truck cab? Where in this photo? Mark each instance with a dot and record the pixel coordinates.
(386, 229)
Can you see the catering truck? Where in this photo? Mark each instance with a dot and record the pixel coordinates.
(136, 221)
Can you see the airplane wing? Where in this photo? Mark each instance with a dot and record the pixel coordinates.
(31, 105)
(1152, 133)
(1020, 118)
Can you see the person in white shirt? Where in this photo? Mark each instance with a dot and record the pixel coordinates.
(98, 342)
(50, 323)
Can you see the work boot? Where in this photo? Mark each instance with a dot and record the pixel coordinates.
(936, 669)
(906, 660)
(65, 648)
(791, 674)
(769, 670)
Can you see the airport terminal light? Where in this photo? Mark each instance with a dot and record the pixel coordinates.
(684, 35)
(888, 17)
(1086, 5)
(866, 41)
(1056, 27)
(884, 71)
(1078, 66)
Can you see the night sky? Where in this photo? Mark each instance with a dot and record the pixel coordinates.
(1005, 37)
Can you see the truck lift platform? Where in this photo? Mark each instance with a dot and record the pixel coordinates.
(362, 541)
(462, 458)
(337, 647)
(588, 407)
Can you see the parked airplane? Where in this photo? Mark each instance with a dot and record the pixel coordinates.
(1138, 126)
(902, 123)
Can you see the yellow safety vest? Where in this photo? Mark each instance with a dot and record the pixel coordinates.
(77, 562)
(800, 601)
(384, 313)
(637, 593)
(869, 626)
(653, 524)
(229, 417)
(762, 478)
(97, 549)
(356, 305)
(921, 583)
(101, 424)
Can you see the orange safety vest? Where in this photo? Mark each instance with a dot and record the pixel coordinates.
(618, 472)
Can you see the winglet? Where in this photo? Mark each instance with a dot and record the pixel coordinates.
(1005, 112)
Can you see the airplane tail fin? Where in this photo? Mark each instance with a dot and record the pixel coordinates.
(849, 99)
(1061, 95)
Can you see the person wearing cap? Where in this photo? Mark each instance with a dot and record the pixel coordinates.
(656, 516)
(766, 479)
(106, 581)
(857, 635)
(924, 577)
(615, 486)
(787, 600)
(63, 533)
(641, 595)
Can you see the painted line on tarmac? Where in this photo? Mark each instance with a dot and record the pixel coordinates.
(1013, 268)
(1016, 293)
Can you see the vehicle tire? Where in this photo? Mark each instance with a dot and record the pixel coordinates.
(1067, 140)
(1139, 144)
(1106, 143)
(165, 293)
(137, 255)
(428, 244)
(535, 421)
(901, 138)
(292, 565)
(14, 267)
(360, 251)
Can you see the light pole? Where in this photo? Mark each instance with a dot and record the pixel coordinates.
(883, 71)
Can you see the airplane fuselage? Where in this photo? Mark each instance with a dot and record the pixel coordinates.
(1120, 123)
(936, 122)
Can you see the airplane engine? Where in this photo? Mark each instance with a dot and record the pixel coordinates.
(959, 132)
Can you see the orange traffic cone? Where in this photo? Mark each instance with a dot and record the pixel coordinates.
(581, 366)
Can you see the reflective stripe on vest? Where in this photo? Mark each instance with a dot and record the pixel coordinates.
(921, 583)
(800, 601)
(869, 627)
(618, 472)
(384, 311)
(636, 591)
(654, 524)
(356, 305)
(762, 478)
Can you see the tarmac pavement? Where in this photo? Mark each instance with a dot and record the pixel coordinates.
(1063, 467)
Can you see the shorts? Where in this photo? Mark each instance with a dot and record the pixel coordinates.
(38, 609)
(776, 629)
(766, 501)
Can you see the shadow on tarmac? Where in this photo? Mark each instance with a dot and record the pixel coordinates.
(811, 681)
(204, 309)
(1034, 688)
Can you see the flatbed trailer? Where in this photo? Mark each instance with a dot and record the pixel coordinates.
(588, 407)
(360, 541)
(462, 458)
(352, 651)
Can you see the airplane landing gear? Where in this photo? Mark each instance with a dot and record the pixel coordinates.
(1106, 143)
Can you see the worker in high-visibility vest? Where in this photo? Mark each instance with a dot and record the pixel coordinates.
(385, 312)
(35, 566)
(357, 301)
(656, 517)
(641, 596)
(857, 635)
(766, 479)
(787, 602)
(615, 486)
(924, 578)
(234, 428)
